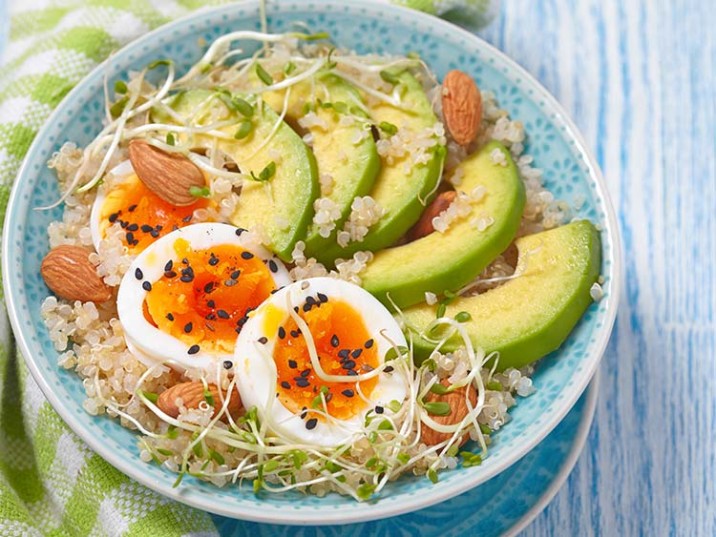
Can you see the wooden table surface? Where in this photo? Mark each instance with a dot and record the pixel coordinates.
(639, 79)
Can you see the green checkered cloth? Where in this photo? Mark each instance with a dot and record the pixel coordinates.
(50, 482)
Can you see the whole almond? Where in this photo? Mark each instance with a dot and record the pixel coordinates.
(462, 107)
(456, 400)
(169, 175)
(424, 226)
(69, 274)
(191, 394)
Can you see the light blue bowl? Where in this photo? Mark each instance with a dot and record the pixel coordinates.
(570, 173)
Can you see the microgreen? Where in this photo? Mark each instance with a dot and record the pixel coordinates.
(388, 128)
(151, 396)
(432, 475)
(165, 452)
(470, 459)
(494, 385)
(118, 107)
(202, 192)
(158, 63)
(442, 308)
(120, 86)
(170, 139)
(263, 75)
(216, 456)
(243, 106)
(365, 491)
(389, 77)
(267, 173)
(437, 408)
(289, 68)
(396, 352)
(245, 128)
(463, 317)
(439, 389)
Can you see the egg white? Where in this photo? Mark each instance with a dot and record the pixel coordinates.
(121, 172)
(151, 342)
(257, 376)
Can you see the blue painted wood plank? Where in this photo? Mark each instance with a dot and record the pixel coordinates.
(638, 77)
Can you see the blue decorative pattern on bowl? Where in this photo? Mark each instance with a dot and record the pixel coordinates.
(368, 28)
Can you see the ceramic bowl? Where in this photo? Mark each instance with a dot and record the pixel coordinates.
(569, 170)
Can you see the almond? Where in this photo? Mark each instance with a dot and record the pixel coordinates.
(169, 175)
(458, 406)
(69, 274)
(424, 226)
(462, 107)
(191, 394)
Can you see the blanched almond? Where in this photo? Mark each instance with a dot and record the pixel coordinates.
(458, 410)
(170, 176)
(462, 107)
(191, 394)
(69, 274)
(424, 226)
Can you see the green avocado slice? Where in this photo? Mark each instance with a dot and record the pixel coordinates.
(531, 315)
(447, 261)
(342, 144)
(402, 190)
(282, 206)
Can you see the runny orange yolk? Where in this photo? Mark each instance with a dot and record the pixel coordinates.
(344, 347)
(204, 298)
(143, 215)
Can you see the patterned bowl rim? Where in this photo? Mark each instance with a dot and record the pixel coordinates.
(358, 512)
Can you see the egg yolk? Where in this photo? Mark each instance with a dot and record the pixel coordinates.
(143, 215)
(344, 347)
(205, 298)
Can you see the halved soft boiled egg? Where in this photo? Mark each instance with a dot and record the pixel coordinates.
(187, 296)
(323, 401)
(143, 216)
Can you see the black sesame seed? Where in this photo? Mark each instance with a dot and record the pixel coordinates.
(131, 208)
(138, 273)
(295, 308)
(335, 341)
(235, 275)
(311, 424)
(210, 317)
(295, 333)
(247, 255)
(193, 349)
(366, 368)
(389, 369)
(228, 364)
(281, 332)
(307, 307)
(223, 314)
(263, 340)
(305, 373)
(170, 274)
(273, 267)
(185, 261)
(348, 393)
(322, 297)
(159, 227)
(285, 384)
(213, 260)
(170, 316)
(123, 224)
(187, 275)
(211, 303)
(368, 344)
(187, 218)
(379, 409)
(310, 300)
(130, 237)
(352, 373)
(168, 266)
(113, 217)
(208, 288)
(292, 364)
(188, 327)
(302, 382)
(230, 283)
(348, 364)
(329, 396)
(147, 286)
(343, 353)
(146, 228)
(239, 231)
(154, 233)
(132, 227)
(356, 353)
(304, 413)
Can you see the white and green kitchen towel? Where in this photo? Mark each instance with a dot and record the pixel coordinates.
(50, 482)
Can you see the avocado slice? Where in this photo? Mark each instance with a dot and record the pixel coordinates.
(344, 148)
(281, 206)
(447, 261)
(399, 189)
(532, 314)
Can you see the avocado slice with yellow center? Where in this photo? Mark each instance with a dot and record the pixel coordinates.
(532, 314)
(279, 201)
(402, 187)
(447, 261)
(342, 144)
